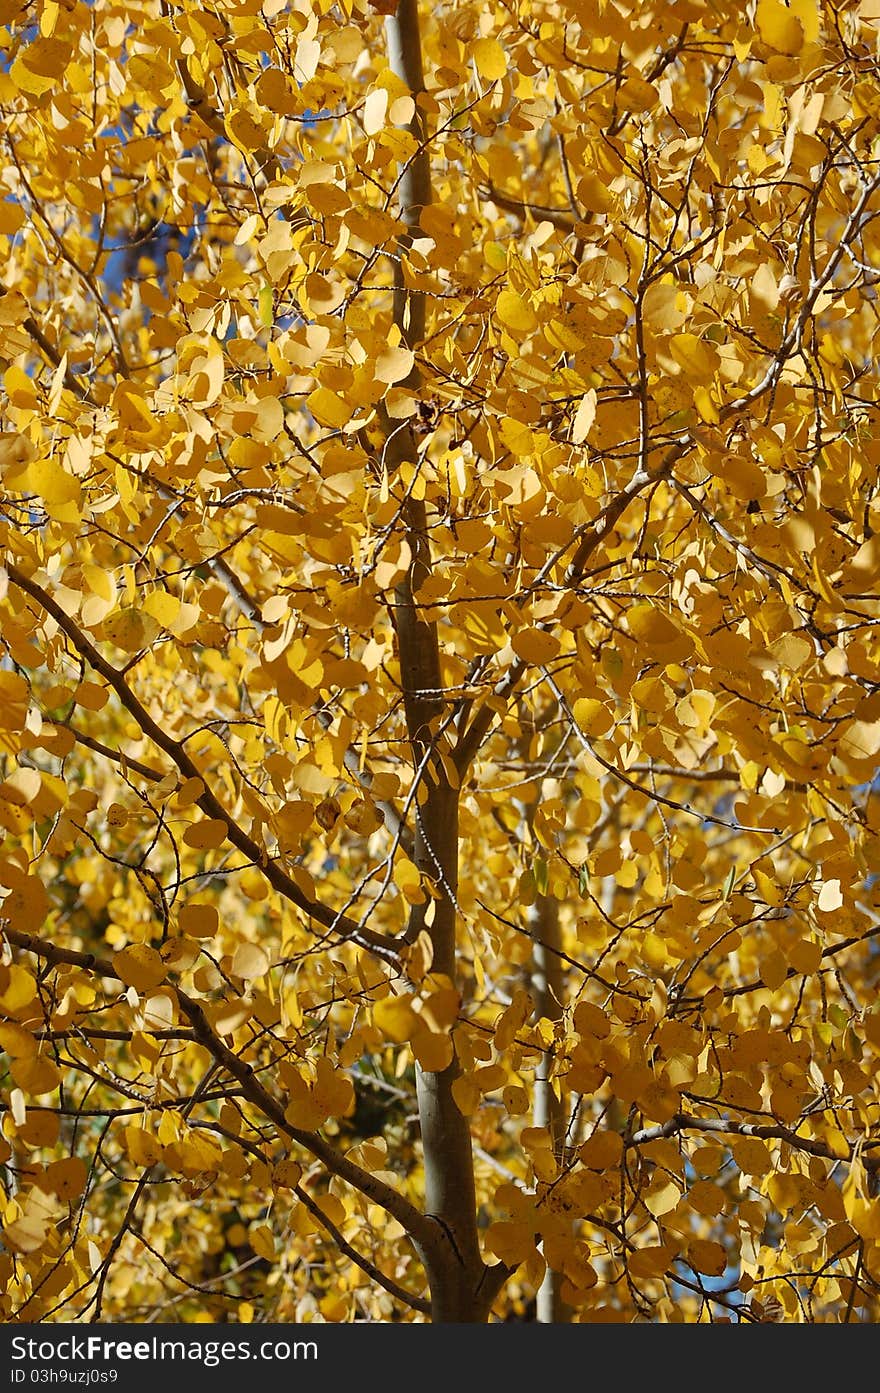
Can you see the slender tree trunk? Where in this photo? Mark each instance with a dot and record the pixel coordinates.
(404, 45)
(458, 1278)
(547, 986)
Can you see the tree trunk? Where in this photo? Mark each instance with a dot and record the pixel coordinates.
(456, 1273)
(547, 986)
(450, 1197)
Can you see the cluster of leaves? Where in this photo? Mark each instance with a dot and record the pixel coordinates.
(620, 363)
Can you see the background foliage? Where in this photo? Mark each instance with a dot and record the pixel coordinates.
(611, 447)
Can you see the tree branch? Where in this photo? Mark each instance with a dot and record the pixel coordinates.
(557, 217)
(587, 536)
(398, 1206)
(771, 1131)
(408, 1298)
(338, 924)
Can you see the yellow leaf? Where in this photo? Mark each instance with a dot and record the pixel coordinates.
(520, 440)
(395, 1018)
(512, 1019)
(515, 314)
(363, 818)
(206, 835)
(205, 382)
(29, 1232)
(15, 1040)
(130, 629)
(26, 80)
(13, 310)
(778, 27)
(292, 821)
(27, 904)
(270, 419)
(402, 110)
(706, 408)
(594, 717)
(744, 477)
(591, 1020)
(37, 1075)
(14, 696)
(792, 651)
(164, 608)
(441, 1003)
(303, 1112)
(17, 988)
(805, 956)
(752, 1156)
(409, 882)
(830, 897)
(66, 1178)
(838, 1145)
(513, 1241)
(48, 479)
(695, 710)
(584, 417)
(394, 364)
(490, 59)
(808, 12)
(334, 1091)
(593, 193)
(308, 54)
(419, 956)
(327, 408)
(100, 582)
(651, 1261)
(250, 961)
(603, 1151)
(18, 1107)
(654, 951)
(661, 306)
(535, 646)
(432, 1049)
(262, 1240)
(374, 110)
(768, 888)
(707, 1257)
(243, 130)
(860, 740)
(287, 1175)
(158, 1009)
(515, 1099)
(696, 357)
(198, 920)
(653, 628)
(142, 1147)
(467, 1094)
(189, 792)
(135, 414)
(140, 966)
(22, 786)
(774, 970)
(659, 1102)
(662, 1199)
